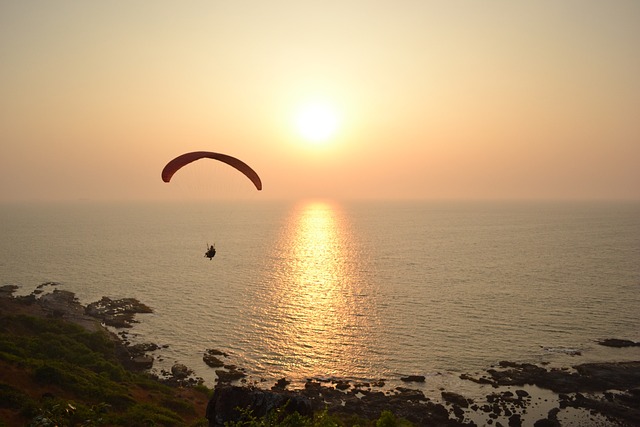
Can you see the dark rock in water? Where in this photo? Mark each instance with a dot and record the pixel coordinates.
(413, 378)
(229, 376)
(455, 398)
(409, 404)
(458, 412)
(515, 420)
(545, 422)
(64, 305)
(214, 352)
(42, 285)
(615, 342)
(8, 290)
(142, 348)
(227, 403)
(180, 371)
(589, 377)
(212, 361)
(142, 362)
(281, 384)
(118, 313)
(313, 388)
(411, 395)
(342, 385)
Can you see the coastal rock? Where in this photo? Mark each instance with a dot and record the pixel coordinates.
(227, 403)
(212, 361)
(141, 363)
(215, 352)
(229, 376)
(455, 399)
(142, 348)
(413, 378)
(410, 394)
(281, 384)
(342, 385)
(60, 303)
(589, 377)
(615, 342)
(8, 290)
(119, 313)
(180, 371)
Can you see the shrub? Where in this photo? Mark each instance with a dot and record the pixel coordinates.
(387, 419)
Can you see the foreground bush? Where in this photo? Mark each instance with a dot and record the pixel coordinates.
(66, 376)
(280, 418)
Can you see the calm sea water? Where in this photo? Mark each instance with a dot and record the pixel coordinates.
(355, 290)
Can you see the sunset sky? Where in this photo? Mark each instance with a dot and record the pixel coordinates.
(334, 99)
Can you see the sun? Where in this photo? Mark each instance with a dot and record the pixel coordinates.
(317, 122)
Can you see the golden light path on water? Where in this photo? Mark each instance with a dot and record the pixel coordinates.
(316, 314)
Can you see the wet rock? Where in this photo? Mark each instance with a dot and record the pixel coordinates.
(455, 399)
(619, 405)
(229, 376)
(142, 348)
(211, 360)
(342, 385)
(8, 290)
(589, 377)
(227, 403)
(61, 303)
(142, 362)
(411, 395)
(515, 421)
(215, 352)
(481, 380)
(458, 412)
(119, 313)
(550, 421)
(180, 371)
(413, 378)
(281, 384)
(619, 343)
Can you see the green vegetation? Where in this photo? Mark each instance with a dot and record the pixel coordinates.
(280, 418)
(55, 373)
(76, 379)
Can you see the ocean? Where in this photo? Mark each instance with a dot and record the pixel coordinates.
(351, 290)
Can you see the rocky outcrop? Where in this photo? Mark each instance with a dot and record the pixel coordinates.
(616, 342)
(230, 403)
(405, 403)
(589, 377)
(211, 360)
(413, 378)
(119, 313)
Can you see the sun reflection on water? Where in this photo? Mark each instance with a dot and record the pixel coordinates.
(317, 316)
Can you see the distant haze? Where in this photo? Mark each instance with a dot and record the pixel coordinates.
(437, 100)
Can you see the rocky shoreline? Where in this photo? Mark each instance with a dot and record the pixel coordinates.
(516, 394)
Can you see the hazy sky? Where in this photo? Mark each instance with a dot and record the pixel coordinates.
(434, 99)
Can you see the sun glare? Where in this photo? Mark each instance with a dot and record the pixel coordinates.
(317, 122)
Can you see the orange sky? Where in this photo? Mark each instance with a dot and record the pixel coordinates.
(436, 100)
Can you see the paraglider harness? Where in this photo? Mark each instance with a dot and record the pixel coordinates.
(211, 252)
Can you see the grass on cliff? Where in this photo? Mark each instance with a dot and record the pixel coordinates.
(56, 373)
(280, 418)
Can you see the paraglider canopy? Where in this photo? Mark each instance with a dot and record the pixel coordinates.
(174, 165)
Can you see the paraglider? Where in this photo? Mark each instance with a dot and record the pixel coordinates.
(211, 252)
(176, 164)
(184, 159)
